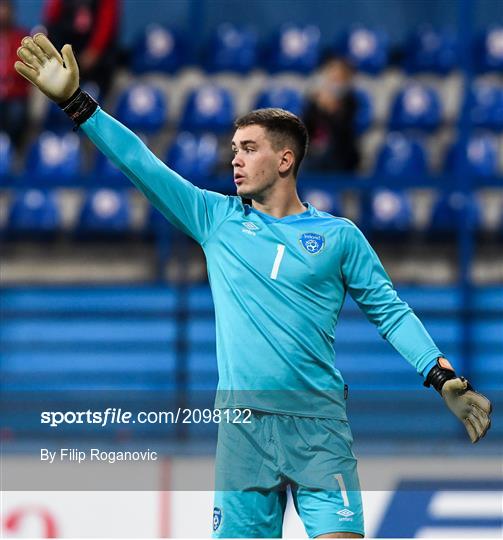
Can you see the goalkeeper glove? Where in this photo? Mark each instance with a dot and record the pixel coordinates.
(472, 408)
(57, 76)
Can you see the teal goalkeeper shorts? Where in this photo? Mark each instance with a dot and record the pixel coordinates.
(255, 462)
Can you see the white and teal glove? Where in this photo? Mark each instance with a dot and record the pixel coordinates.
(472, 408)
(56, 75)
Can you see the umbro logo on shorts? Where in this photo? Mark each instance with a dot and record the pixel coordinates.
(345, 513)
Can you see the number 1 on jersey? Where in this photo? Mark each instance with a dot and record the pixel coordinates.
(277, 261)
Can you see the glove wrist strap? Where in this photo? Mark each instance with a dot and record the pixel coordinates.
(438, 375)
(79, 107)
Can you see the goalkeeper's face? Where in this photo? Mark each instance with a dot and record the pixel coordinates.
(257, 165)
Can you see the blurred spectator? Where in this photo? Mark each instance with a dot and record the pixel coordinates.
(329, 116)
(13, 88)
(91, 26)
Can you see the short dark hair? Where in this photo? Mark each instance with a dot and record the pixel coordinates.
(283, 128)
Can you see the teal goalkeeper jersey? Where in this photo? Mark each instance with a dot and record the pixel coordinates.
(278, 286)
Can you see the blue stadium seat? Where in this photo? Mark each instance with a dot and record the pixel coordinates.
(489, 50)
(107, 173)
(390, 212)
(163, 233)
(194, 156)
(486, 106)
(365, 111)
(56, 120)
(416, 107)
(500, 222)
(158, 49)
(156, 223)
(106, 212)
(431, 50)
(294, 48)
(232, 48)
(283, 97)
(54, 157)
(480, 153)
(33, 212)
(366, 49)
(322, 199)
(401, 156)
(142, 107)
(450, 209)
(208, 108)
(6, 154)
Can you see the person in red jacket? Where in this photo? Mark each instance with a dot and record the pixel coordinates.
(14, 89)
(91, 26)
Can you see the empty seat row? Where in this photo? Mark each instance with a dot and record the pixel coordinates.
(36, 212)
(106, 211)
(390, 212)
(58, 157)
(212, 107)
(298, 48)
(406, 156)
(196, 156)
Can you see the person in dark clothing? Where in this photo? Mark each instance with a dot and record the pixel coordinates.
(14, 90)
(91, 26)
(329, 116)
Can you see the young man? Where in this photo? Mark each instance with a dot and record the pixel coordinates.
(279, 271)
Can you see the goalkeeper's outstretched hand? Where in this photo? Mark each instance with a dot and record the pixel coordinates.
(472, 408)
(54, 74)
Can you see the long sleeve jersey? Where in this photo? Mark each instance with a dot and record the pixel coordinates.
(278, 286)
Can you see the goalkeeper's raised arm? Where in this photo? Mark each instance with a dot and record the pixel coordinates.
(197, 212)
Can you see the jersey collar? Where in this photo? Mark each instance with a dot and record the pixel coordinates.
(287, 219)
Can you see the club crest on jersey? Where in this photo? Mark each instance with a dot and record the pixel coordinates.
(313, 243)
(217, 518)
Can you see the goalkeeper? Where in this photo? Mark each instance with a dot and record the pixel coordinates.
(279, 272)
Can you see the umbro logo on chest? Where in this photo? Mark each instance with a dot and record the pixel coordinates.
(250, 228)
